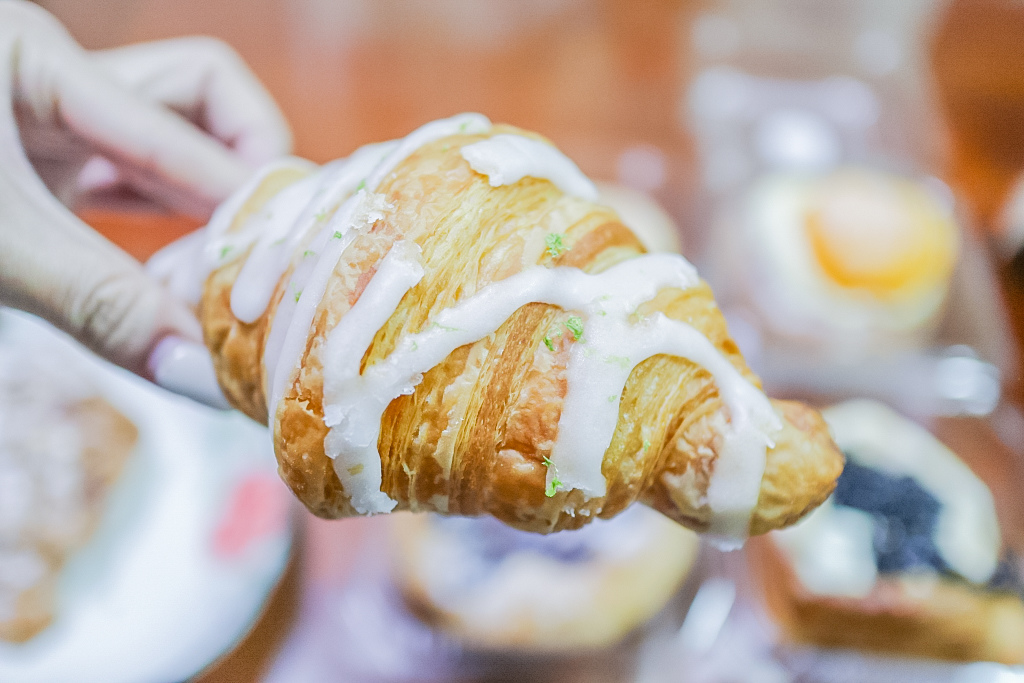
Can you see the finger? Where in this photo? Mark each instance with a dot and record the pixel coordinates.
(152, 143)
(57, 81)
(186, 368)
(205, 78)
(97, 174)
(55, 266)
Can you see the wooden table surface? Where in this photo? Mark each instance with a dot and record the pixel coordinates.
(599, 77)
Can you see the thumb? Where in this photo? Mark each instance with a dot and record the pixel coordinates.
(55, 266)
(63, 271)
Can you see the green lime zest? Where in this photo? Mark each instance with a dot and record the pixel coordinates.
(337, 235)
(575, 325)
(224, 251)
(361, 185)
(555, 484)
(555, 242)
(297, 295)
(308, 253)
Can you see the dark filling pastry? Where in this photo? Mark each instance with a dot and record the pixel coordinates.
(905, 517)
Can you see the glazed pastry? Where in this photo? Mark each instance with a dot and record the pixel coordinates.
(904, 558)
(496, 588)
(62, 448)
(854, 258)
(451, 323)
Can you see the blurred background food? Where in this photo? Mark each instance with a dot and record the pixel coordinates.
(906, 557)
(62, 448)
(493, 587)
(844, 173)
(140, 534)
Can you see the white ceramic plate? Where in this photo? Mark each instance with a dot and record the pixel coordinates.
(195, 536)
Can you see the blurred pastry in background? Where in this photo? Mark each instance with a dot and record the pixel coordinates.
(644, 216)
(496, 588)
(62, 448)
(905, 558)
(852, 260)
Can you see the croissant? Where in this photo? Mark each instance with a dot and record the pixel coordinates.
(451, 322)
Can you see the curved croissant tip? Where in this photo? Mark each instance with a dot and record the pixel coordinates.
(802, 469)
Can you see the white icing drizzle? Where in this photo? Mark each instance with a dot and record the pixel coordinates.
(223, 246)
(354, 402)
(599, 365)
(272, 251)
(287, 337)
(506, 159)
(358, 213)
(597, 374)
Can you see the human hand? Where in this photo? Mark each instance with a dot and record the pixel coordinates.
(180, 122)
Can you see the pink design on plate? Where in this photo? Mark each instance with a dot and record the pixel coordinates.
(257, 510)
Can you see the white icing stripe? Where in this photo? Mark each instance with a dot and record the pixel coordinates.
(222, 246)
(359, 406)
(308, 284)
(351, 399)
(287, 338)
(306, 204)
(270, 255)
(598, 369)
(283, 225)
(356, 214)
(506, 159)
(435, 130)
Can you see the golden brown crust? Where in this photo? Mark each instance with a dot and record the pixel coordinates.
(473, 436)
(913, 616)
(108, 438)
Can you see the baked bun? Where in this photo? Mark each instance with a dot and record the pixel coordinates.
(492, 587)
(847, 262)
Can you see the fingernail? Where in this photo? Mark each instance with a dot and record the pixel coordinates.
(97, 174)
(185, 368)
